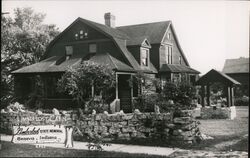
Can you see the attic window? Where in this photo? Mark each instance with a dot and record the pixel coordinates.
(76, 36)
(169, 36)
(144, 56)
(180, 59)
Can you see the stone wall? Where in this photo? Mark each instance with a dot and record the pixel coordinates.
(163, 126)
(213, 112)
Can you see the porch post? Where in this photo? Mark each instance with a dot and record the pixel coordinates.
(202, 95)
(208, 94)
(228, 96)
(132, 86)
(116, 86)
(232, 95)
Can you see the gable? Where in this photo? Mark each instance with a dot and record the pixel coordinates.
(171, 39)
(146, 43)
(152, 31)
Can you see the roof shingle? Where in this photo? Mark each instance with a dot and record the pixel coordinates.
(240, 65)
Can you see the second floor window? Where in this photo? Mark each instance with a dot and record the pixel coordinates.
(144, 56)
(92, 48)
(169, 54)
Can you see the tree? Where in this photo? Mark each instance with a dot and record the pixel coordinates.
(24, 41)
(86, 79)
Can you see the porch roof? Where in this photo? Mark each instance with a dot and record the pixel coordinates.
(58, 64)
(216, 76)
(177, 68)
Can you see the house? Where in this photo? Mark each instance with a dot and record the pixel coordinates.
(238, 69)
(152, 48)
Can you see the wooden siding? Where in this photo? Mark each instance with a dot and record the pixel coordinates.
(176, 51)
(154, 55)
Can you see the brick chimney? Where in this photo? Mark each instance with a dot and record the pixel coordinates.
(109, 20)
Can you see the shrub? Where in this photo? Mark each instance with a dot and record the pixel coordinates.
(182, 92)
(242, 101)
(85, 79)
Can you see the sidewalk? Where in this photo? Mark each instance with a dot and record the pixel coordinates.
(114, 147)
(170, 152)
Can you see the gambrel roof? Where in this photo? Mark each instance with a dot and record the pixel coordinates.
(122, 36)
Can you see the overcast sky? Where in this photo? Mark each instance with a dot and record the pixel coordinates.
(209, 31)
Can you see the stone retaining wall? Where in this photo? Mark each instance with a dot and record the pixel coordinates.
(214, 112)
(120, 126)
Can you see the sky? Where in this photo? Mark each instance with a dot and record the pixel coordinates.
(209, 32)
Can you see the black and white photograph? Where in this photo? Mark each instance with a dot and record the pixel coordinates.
(124, 78)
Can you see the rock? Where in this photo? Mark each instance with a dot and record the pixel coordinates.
(121, 112)
(137, 111)
(105, 112)
(182, 120)
(93, 112)
(124, 136)
(55, 111)
(157, 109)
(64, 112)
(39, 112)
(3, 111)
(128, 129)
(205, 137)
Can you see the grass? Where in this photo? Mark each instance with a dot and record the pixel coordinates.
(25, 150)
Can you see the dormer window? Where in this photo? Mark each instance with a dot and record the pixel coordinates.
(69, 51)
(76, 36)
(144, 56)
(92, 48)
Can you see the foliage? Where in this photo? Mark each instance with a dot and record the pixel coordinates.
(16, 107)
(24, 39)
(181, 92)
(242, 101)
(35, 97)
(78, 82)
(146, 100)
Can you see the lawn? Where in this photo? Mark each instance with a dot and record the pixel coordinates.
(228, 134)
(25, 150)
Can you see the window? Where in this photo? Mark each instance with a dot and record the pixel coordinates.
(69, 50)
(76, 36)
(144, 56)
(180, 59)
(92, 48)
(169, 54)
(169, 36)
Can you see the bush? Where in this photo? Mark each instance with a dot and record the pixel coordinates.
(85, 79)
(146, 102)
(182, 92)
(242, 101)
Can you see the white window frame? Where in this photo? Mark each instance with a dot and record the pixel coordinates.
(147, 56)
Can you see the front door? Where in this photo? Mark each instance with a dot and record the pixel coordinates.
(124, 93)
